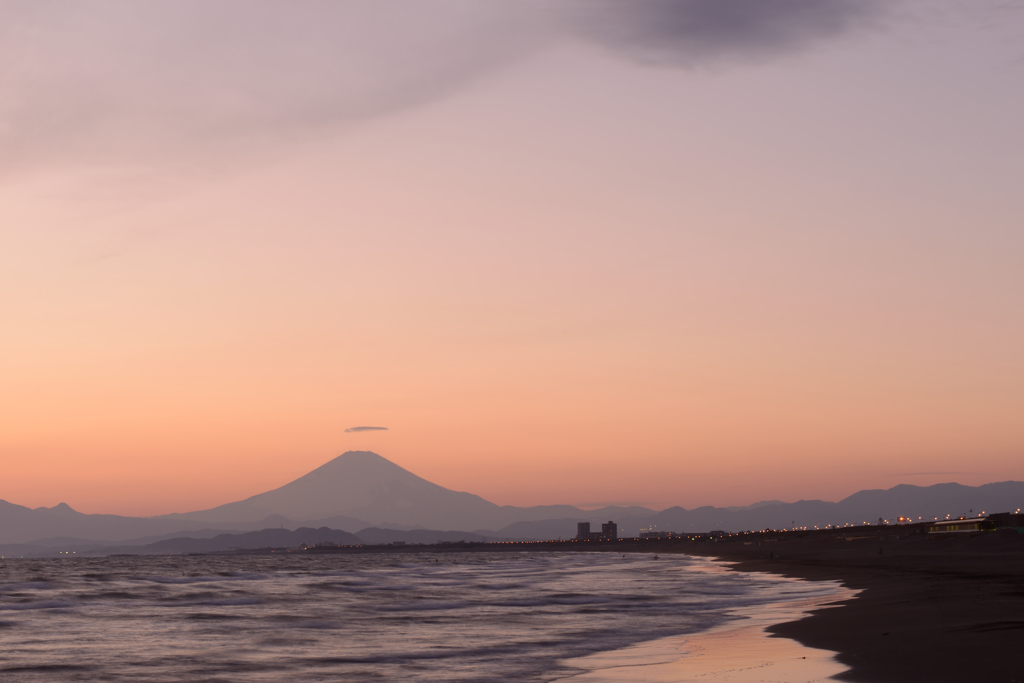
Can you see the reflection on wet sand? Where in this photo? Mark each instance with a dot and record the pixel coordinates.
(739, 652)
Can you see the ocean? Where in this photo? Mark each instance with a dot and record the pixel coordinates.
(358, 617)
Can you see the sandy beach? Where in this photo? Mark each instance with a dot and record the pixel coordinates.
(740, 651)
(932, 609)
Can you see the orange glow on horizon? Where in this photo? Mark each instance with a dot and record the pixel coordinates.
(579, 280)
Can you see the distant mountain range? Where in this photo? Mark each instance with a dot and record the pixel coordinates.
(213, 542)
(360, 489)
(362, 493)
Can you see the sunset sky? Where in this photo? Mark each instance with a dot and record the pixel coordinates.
(656, 252)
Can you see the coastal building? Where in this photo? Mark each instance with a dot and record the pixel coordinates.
(657, 534)
(950, 526)
(1007, 520)
(609, 532)
(997, 520)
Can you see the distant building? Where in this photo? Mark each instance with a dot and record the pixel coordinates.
(658, 534)
(950, 526)
(609, 532)
(1004, 520)
(998, 520)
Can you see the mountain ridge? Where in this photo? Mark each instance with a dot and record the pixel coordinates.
(358, 484)
(360, 490)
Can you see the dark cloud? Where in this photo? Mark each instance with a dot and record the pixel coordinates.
(126, 81)
(366, 429)
(694, 32)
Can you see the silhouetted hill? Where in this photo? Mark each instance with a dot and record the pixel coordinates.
(926, 502)
(362, 485)
(361, 490)
(549, 529)
(19, 524)
(265, 538)
(375, 536)
(285, 538)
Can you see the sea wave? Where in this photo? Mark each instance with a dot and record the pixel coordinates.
(429, 617)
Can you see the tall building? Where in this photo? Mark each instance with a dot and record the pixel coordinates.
(609, 532)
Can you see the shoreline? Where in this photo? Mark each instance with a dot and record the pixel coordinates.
(743, 649)
(929, 609)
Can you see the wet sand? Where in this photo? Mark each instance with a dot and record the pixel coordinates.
(740, 652)
(934, 609)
